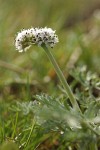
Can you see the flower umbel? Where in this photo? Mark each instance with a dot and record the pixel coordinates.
(37, 36)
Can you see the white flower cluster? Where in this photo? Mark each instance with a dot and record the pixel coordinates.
(38, 36)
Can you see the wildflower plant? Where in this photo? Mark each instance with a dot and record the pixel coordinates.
(59, 115)
(44, 37)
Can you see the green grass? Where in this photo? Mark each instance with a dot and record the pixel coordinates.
(35, 113)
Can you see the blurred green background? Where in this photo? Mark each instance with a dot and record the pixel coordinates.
(77, 24)
(22, 75)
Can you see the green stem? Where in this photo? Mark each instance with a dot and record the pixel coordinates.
(90, 127)
(93, 146)
(15, 125)
(62, 78)
(29, 134)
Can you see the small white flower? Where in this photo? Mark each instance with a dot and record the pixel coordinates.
(37, 36)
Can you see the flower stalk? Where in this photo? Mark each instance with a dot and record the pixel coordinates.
(62, 78)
